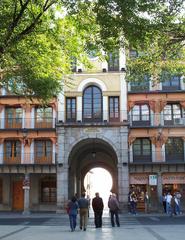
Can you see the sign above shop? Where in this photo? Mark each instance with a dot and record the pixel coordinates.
(176, 178)
(139, 179)
(153, 180)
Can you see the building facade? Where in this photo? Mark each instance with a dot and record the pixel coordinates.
(27, 155)
(133, 130)
(93, 128)
(156, 138)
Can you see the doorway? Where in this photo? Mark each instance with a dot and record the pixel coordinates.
(18, 196)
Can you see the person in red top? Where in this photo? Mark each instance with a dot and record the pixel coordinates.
(97, 205)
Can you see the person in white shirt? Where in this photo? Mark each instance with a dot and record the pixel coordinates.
(168, 203)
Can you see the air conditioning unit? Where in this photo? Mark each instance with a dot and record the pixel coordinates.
(179, 121)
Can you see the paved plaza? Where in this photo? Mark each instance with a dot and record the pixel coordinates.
(56, 227)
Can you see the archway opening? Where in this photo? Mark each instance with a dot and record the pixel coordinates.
(98, 180)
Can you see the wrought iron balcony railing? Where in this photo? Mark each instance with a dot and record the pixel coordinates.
(14, 123)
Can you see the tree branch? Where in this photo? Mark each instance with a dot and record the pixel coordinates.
(15, 21)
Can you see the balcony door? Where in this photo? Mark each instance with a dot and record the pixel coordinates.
(13, 117)
(12, 152)
(92, 104)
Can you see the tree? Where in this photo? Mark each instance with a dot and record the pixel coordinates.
(38, 39)
(155, 28)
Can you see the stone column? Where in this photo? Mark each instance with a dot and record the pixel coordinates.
(159, 187)
(123, 172)
(26, 187)
(62, 173)
(62, 187)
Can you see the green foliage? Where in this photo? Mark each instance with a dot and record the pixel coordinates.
(37, 45)
(155, 28)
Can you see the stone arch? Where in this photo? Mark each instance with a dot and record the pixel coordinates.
(89, 81)
(80, 159)
(85, 138)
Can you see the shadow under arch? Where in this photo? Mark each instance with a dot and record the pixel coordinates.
(87, 154)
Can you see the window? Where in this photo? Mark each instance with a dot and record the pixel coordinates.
(172, 83)
(13, 117)
(92, 104)
(114, 108)
(1, 191)
(141, 115)
(140, 86)
(70, 109)
(172, 114)
(142, 150)
(133, 53)
(12, 152)
(113, 61)
(48, 190)
(44, 117)
(174, 150)
(43, 151)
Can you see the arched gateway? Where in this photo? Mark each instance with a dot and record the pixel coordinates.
(81, 149)
(87, 154)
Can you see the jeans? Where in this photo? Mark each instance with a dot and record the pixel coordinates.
(114, 213)
(177, 208)
(168, 208)
(133, 207)
(72, 220)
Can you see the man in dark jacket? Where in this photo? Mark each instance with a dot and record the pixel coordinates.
(97, 205)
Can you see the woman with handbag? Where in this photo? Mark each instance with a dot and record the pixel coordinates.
(72, 210)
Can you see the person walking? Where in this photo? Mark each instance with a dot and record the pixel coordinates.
(113, 205)
(84, 207)
(97, 205)
(72, 212)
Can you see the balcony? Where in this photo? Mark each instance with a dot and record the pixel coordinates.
(157, 157)
(27, 158)
(155, 120)
(96, 118)
(18, 123)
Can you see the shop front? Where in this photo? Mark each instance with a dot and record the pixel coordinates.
(140, 184)
(174, 182)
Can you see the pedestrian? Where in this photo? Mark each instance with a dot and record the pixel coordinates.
(72, 209)
(113, 205)
(164, 202)
(97, 205)
(133, 202)
(178, 201)
(147, 202)
(168, 203)
(84, 207)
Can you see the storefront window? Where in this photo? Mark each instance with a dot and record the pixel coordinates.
(48, 191)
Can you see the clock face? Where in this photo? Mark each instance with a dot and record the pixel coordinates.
(93, 55)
